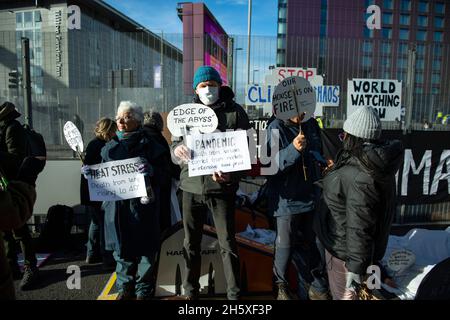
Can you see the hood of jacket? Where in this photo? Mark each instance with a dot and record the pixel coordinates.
(8, 112)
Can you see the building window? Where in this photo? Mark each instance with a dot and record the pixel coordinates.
(418, 90)
(419, 77)
(438, 22)
(422, 21)
(435, 90)
(436, 65)
(421, 35)
(386, 48)
(420, 63)
(281, 43)
(405, 5)
(423, 6)
(435, 78)
(387, 18)
(385, 62)
(402, 63)
(439, 8)
(387, 4)
(437, 50)
(420, 49)
(367, 32)
(438, 36)
(404, 34)
(323, 29)
(387, 33)
(367, 47)
(282, 27)
(403, 48)
(401, 76)
(366, 61)
(282, 13)
(404, 19)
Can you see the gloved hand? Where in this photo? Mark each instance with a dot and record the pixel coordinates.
(351, 277)
(86, 171)
(145, 168)
(30, 169)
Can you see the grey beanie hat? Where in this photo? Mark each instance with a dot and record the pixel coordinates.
(364, 123)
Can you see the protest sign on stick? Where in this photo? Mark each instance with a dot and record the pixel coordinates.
(73, 138)
(190, 118)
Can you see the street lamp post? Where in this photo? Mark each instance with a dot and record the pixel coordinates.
(235, 68)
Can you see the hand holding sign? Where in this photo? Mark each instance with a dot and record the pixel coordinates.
(299, 142)
(191, 117)
(73, 138)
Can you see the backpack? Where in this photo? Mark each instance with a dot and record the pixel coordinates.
(35, 143)
(57, 228)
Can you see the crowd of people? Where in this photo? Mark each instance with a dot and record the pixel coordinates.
(332, 216)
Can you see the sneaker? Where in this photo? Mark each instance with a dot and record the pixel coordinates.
(283, 292)
(30, 277)
(316, 295)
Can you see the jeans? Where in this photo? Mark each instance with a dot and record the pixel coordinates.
(296, 241)
(135, 275)
(96, 235)
(26, 243)
(195, 208)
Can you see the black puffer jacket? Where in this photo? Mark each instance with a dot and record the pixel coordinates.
(358, 205)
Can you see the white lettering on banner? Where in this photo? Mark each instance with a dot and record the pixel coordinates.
(283, 73)
(383, 95)
(116, 180)
(191, 117)
(408, 163)
(438, 176)
(220, 151)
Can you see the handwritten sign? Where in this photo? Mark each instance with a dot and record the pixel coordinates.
(292, 97)
(400, 260)
(385, 96)
(220, 151)
(73, 136)
(190, 118)
(116, 180)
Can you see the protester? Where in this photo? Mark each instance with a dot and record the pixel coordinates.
(153, 127)
(105, 130)
(16, 206)
(132, 226)
(13, 147)
(291, 197)
(358, 206)
(216, 192)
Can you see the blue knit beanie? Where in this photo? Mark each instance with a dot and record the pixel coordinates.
(205, 73)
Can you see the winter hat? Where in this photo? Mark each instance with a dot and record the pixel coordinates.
(364, 123)
(205, 73)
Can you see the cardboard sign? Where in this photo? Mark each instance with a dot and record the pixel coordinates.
(292, 97)
(400, 260)
(73, 136)
(191, 118)
(385, 96)
(220, 151)
(116, 180)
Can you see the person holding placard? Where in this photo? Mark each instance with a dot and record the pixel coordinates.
(215, 192)
(291, 199)
(132, 226)
(358, 202)
(105, 130)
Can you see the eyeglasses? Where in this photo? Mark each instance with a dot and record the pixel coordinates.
(125, 119)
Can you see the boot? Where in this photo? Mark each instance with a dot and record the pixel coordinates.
(283, 292)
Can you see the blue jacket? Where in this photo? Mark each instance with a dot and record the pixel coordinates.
(131, 228)
(288, 192)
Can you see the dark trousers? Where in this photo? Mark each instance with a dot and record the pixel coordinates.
(296, 241)
(24, 237)
(195, 209)
(96, 235)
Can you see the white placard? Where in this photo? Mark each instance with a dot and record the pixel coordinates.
(73, 136)
(292, 97)
(191, 118)
(400, 260)
(116, 180)
(220, 151)
(385, 96)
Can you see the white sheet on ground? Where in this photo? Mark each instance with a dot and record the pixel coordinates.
(429, 247)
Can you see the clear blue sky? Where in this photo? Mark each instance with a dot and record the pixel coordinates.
(231, 14)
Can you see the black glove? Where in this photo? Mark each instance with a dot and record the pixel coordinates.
(30, 169)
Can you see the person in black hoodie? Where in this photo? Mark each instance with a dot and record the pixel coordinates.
(105, 130)
(214, 192)
(358, 205)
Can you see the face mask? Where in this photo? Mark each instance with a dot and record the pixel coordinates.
(208, 95)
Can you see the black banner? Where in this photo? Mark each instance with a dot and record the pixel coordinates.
(424, 176)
